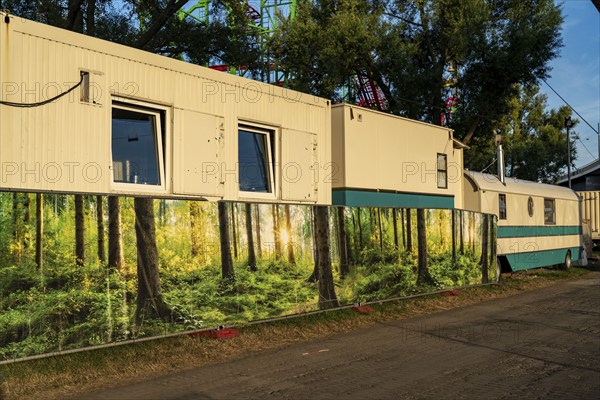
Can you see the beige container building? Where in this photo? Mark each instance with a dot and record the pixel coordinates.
(146, 125)
(384, 160)
(590, 212)
(538, 224)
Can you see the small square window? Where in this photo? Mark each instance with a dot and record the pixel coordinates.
(137, 146)
(501, 206)
(256, 161)
(442, 171)
(549, 212)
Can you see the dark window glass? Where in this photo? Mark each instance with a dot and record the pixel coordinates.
(254, 162)
(502, 206)
(134, 147)
(530, 206)
(549, 212)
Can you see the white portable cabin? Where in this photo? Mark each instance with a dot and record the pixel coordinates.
(389, 161)
(590, 212)
(538, 224)
(144, 124)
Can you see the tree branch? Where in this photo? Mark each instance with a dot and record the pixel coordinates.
(74, 9)
(471, 131)
(159, 22)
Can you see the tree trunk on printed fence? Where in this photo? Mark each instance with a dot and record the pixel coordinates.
(453, 238)
(395, 222)
(15, 216)
(276, 232)
(461, 233)
(344, 267)
(484, 249)
(371, 224)
(472, 232)
(360, 230)
(115, 234)
(327, 296)
(403, 226)
(409, 246)
(493, 261)
(150, 302)
(314, 277)
(79, 231)
(424, 277)
(227, 271)
(26, 220)
(195, 228)
(290, 242)
(100, 224)
(380, 226)
(162, 212)
(251, 255)
(17, 228)
(258, 241)
(352, 247)
(349, 254)
(26, 205)
(39, 231)
(234, 231)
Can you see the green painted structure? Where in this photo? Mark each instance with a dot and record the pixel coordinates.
(369, 198)
(535, 259)
(537, 231)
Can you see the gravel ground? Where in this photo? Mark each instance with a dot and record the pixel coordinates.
(542, 344)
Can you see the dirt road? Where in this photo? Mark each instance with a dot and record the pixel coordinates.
(542, 344)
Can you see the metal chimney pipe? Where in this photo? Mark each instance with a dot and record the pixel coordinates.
(500, 158)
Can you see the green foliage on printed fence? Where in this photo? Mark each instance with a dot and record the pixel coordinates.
(64, 306)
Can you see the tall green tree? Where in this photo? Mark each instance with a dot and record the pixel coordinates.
(535, 139)
(412, 49)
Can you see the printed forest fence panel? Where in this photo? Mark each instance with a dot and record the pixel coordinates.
(79, 271)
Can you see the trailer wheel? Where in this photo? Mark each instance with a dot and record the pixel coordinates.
(567, 264)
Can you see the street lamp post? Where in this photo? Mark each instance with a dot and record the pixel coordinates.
(568, 124)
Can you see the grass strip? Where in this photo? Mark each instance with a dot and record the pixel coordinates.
(72, 374)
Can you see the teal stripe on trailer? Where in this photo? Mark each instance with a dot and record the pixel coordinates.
(536, 259)
(535, 231)
(364, 198)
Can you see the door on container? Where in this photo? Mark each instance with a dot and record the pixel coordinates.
(196, 149)
(298, 160)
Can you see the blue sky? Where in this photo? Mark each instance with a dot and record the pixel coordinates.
(575, 73)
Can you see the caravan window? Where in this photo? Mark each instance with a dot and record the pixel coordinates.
(137, 145)
(549, 212)
(501, 206)
(255, 161)
(442, 171)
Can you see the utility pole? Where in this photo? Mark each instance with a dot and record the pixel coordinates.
(568, 124)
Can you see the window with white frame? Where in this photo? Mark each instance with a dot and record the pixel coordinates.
(137, 146)
(256, 162)
(442, 171)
